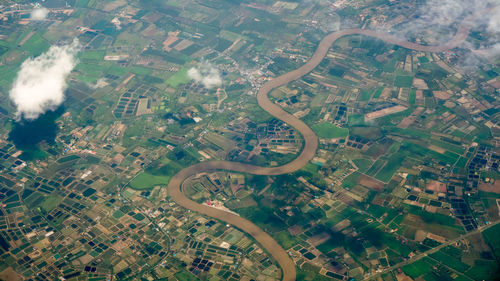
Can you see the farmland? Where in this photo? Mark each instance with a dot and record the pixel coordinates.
(249, 140)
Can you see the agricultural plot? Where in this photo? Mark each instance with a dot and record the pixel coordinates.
(148, 181)
(328, 130)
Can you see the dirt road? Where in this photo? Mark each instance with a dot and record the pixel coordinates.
(310, 139)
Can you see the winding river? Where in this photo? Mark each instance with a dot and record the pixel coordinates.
(310, 139)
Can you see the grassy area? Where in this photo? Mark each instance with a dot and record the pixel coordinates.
(35, 45)
(403, 81)
(118, 214)
(8, 75)
(356, 119)
(148, 181)
(392, 165)
(448, 146)
(263, 217)
(329, 131)
(375, 167)
(68, 158)
(434, 218)
(396, 245)
(418, 134)
(450, 261)
(413, 96)
(90, 72)
(285, 239)
(492, 238)
(228, 35)
(310, 168)
(306, 274)
(365, 95)
(180, 77)
(484, 270)
(351, 180)
(462, 162)
(93, 55)
(490, 174)
(447, 157)
(51, 202)
(378, 92)
(140, 70)
(371, 133)
(418, 268)
(329, 245)
(184, 275)
(117, 70)
(363, 164)
(82, 3)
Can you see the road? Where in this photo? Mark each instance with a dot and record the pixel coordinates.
(310, 139)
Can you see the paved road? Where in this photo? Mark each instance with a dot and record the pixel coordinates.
(431, 251)
(310, 139)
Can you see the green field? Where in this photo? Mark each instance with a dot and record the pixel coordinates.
(263, 217)
(371, 133)
(117, 70)
(285, 239)
(329, 245)
(492, 238)
(448, 146)
(450, 261)
(140, 70)
(396, 245)
(375, 167)
(82, 3)
(378, 92)
(462, 162)
(418, 134)
(184, 275)
(413, 96)
(351, 180)
(447, 157)
(329, 131)
(118, 214)
(180, 77)
(93, 55)
(363, 164)
(484, 270)
(35, 45)
(9, 73)
(90, 72)
(228, 35)
(403, 81)
(356, 119)
(365, 95)
(68, 158)
(148, 181)
(51, 202)
(418, 268)
(392, 165)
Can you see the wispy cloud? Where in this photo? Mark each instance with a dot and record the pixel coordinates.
(439, 18)
(41, 81)
(39, 13)
(206, 74)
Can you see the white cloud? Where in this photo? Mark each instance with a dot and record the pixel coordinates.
(206, 74)
(494, 20)
(41, 81)
(438, 19)
(101, 83)
(39, 13)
